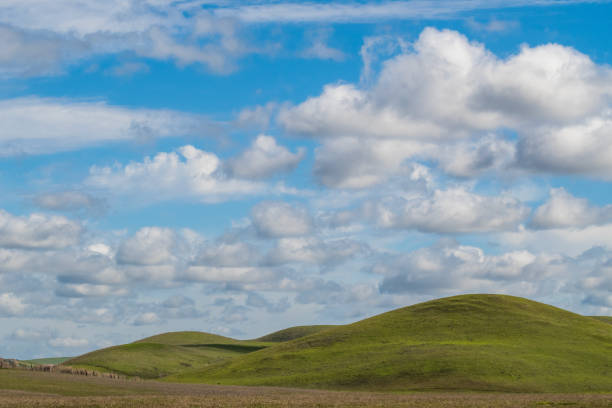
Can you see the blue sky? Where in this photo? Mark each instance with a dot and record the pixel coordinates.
(239, 168)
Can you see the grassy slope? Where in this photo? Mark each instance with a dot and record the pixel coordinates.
(165, 354)
(607, 319)
(49, 360)
(293, 333)
(474, 342)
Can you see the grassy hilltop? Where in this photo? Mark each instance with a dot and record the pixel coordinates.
(470, 342)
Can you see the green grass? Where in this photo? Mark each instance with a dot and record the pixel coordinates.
(293, 333)
(49, 360)
(607, 319)
(165, 354)
(471, 342)
(188, 337)
(150, 360)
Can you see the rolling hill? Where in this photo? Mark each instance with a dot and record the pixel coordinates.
(607, 319)
(293, 333)
(469, 342)
(165, 354)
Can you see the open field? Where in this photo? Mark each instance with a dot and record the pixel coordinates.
(19, 388)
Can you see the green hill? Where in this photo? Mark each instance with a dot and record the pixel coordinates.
(293, 333)
(165, 354)
(607, 319)
(470, 342)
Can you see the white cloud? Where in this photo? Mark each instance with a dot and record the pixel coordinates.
(129, 69)
(581, 148)
(27, 334)
(68, 342)
(451, 268)
(69, 201)
(230, 274)
(280, 219)
(149, 246)
(563, 210)
(40, 126)
(44, 39)
(360, 12)
(447, 92)
(234, 254)
(264, 158)
(11, 305)
(146, 318)
(37, 231)
(190, 172)
(79, 290)
(451, 211)
(315, 251)
(319, 48)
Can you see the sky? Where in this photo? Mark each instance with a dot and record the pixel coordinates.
(242, 167)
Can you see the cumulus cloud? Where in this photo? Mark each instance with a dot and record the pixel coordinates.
(263, 159)
(315, 251)
(70, 201)
(448, 92)
(319, 47)
(45, 40)
(149, 246)
(451, 268)
(580, 148)
(451, 211)
(281, 219)
(563, 210)
(198, 273)
(68, 342)
(233, 254)
(146, 319)
(33, 125)
(81, 290)
(37, 231)
(256, 300)
(189, 172)
(11, 305)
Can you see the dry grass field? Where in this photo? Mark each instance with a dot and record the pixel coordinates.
(26, 389)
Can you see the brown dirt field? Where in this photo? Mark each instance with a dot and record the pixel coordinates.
(25, 390)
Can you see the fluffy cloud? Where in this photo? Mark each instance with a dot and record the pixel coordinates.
(44, 40)
(581, 148)
(146, 319)
(451, 211)
(68, 342)
(280, 219)
(37, 231)
(563, 210)
(263, 159)
(451, 268)
(199, 273)
(190, 172)
(233, 254)
(149, 246)
(41, 126)
(448, 92)
(11, 305)
(70, 201)
(315, 251)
